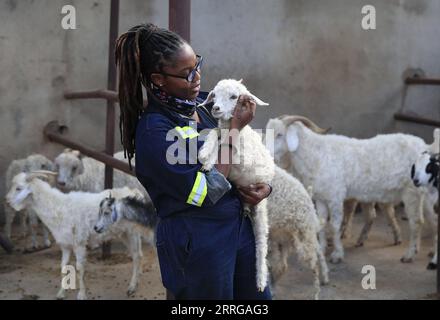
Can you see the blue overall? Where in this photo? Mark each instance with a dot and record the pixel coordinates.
(205, 245)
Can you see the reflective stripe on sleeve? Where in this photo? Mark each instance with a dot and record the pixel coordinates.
(187, 132)
(199, 191)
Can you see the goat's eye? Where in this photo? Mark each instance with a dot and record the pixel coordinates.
(233, 97)
(18, 189)
(429, 168)
(43, 166)
(73, 169)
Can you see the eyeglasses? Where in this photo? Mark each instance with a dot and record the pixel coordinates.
(190, 77)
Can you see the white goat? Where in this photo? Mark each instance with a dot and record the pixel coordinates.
(294, 227)
(282, 158)
(71, 218)
(251, 161)
(369, 170)
(79, 173)
(31, 163)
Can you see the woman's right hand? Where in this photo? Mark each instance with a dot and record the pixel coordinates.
(244, 112)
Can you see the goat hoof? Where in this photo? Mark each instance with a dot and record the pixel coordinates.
(397, 242)
(61, 295)
(30, 249)
(431, 254)
(359, 244)
(47, 244)
(406, 260)
(81, 296)
(131, 292)
(431, 266)
(336, 258)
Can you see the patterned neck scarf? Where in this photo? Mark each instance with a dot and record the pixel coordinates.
(183, 107)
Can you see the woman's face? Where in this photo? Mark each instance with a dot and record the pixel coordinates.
(184, 62)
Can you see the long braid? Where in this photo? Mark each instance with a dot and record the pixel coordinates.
(143, 50)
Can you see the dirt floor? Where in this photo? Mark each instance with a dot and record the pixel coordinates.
(37, 275)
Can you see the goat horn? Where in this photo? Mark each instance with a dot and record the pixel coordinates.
(45, 172)
(288, 120)
(48, 176)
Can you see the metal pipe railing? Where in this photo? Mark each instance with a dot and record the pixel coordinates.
(108, 95)
(55, 132)
(416, 119)
(422, 81)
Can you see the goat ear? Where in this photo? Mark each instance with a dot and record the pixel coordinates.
(67, 150)
(258, 100)
(76, 153)
(114, 214)
(208, 99)
(292, 139)
(240, 81)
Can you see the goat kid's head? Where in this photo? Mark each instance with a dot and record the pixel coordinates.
(20, 193)
(425, 170)
(107, 214)
(69, 165)
(225, 97)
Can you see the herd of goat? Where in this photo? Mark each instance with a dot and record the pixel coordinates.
(317, 178)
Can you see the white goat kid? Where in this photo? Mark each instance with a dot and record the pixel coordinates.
(31, 163)
(80, 173)
(370, 170)
(251, 162)
(71, 218)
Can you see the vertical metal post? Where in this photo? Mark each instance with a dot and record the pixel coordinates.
(110, 124)
(438, 236)
(180, 18)
(179, 22)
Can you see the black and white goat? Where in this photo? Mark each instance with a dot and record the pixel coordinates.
(426, 170)
(131, 212)
(425, 174)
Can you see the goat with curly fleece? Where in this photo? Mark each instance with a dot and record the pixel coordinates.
(71, 218)
(368, 170)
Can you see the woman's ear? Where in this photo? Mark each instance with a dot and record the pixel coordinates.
(158, 79)
(292, 139)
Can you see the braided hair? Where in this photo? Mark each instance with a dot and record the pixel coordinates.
(141, 51)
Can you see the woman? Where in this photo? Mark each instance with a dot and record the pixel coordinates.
(205, 245)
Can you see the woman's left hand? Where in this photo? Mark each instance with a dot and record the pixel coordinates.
(254, 193)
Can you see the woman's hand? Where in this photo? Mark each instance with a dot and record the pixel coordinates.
(253, 194)
(244, 112)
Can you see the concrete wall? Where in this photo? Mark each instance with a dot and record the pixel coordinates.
(306, 57)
